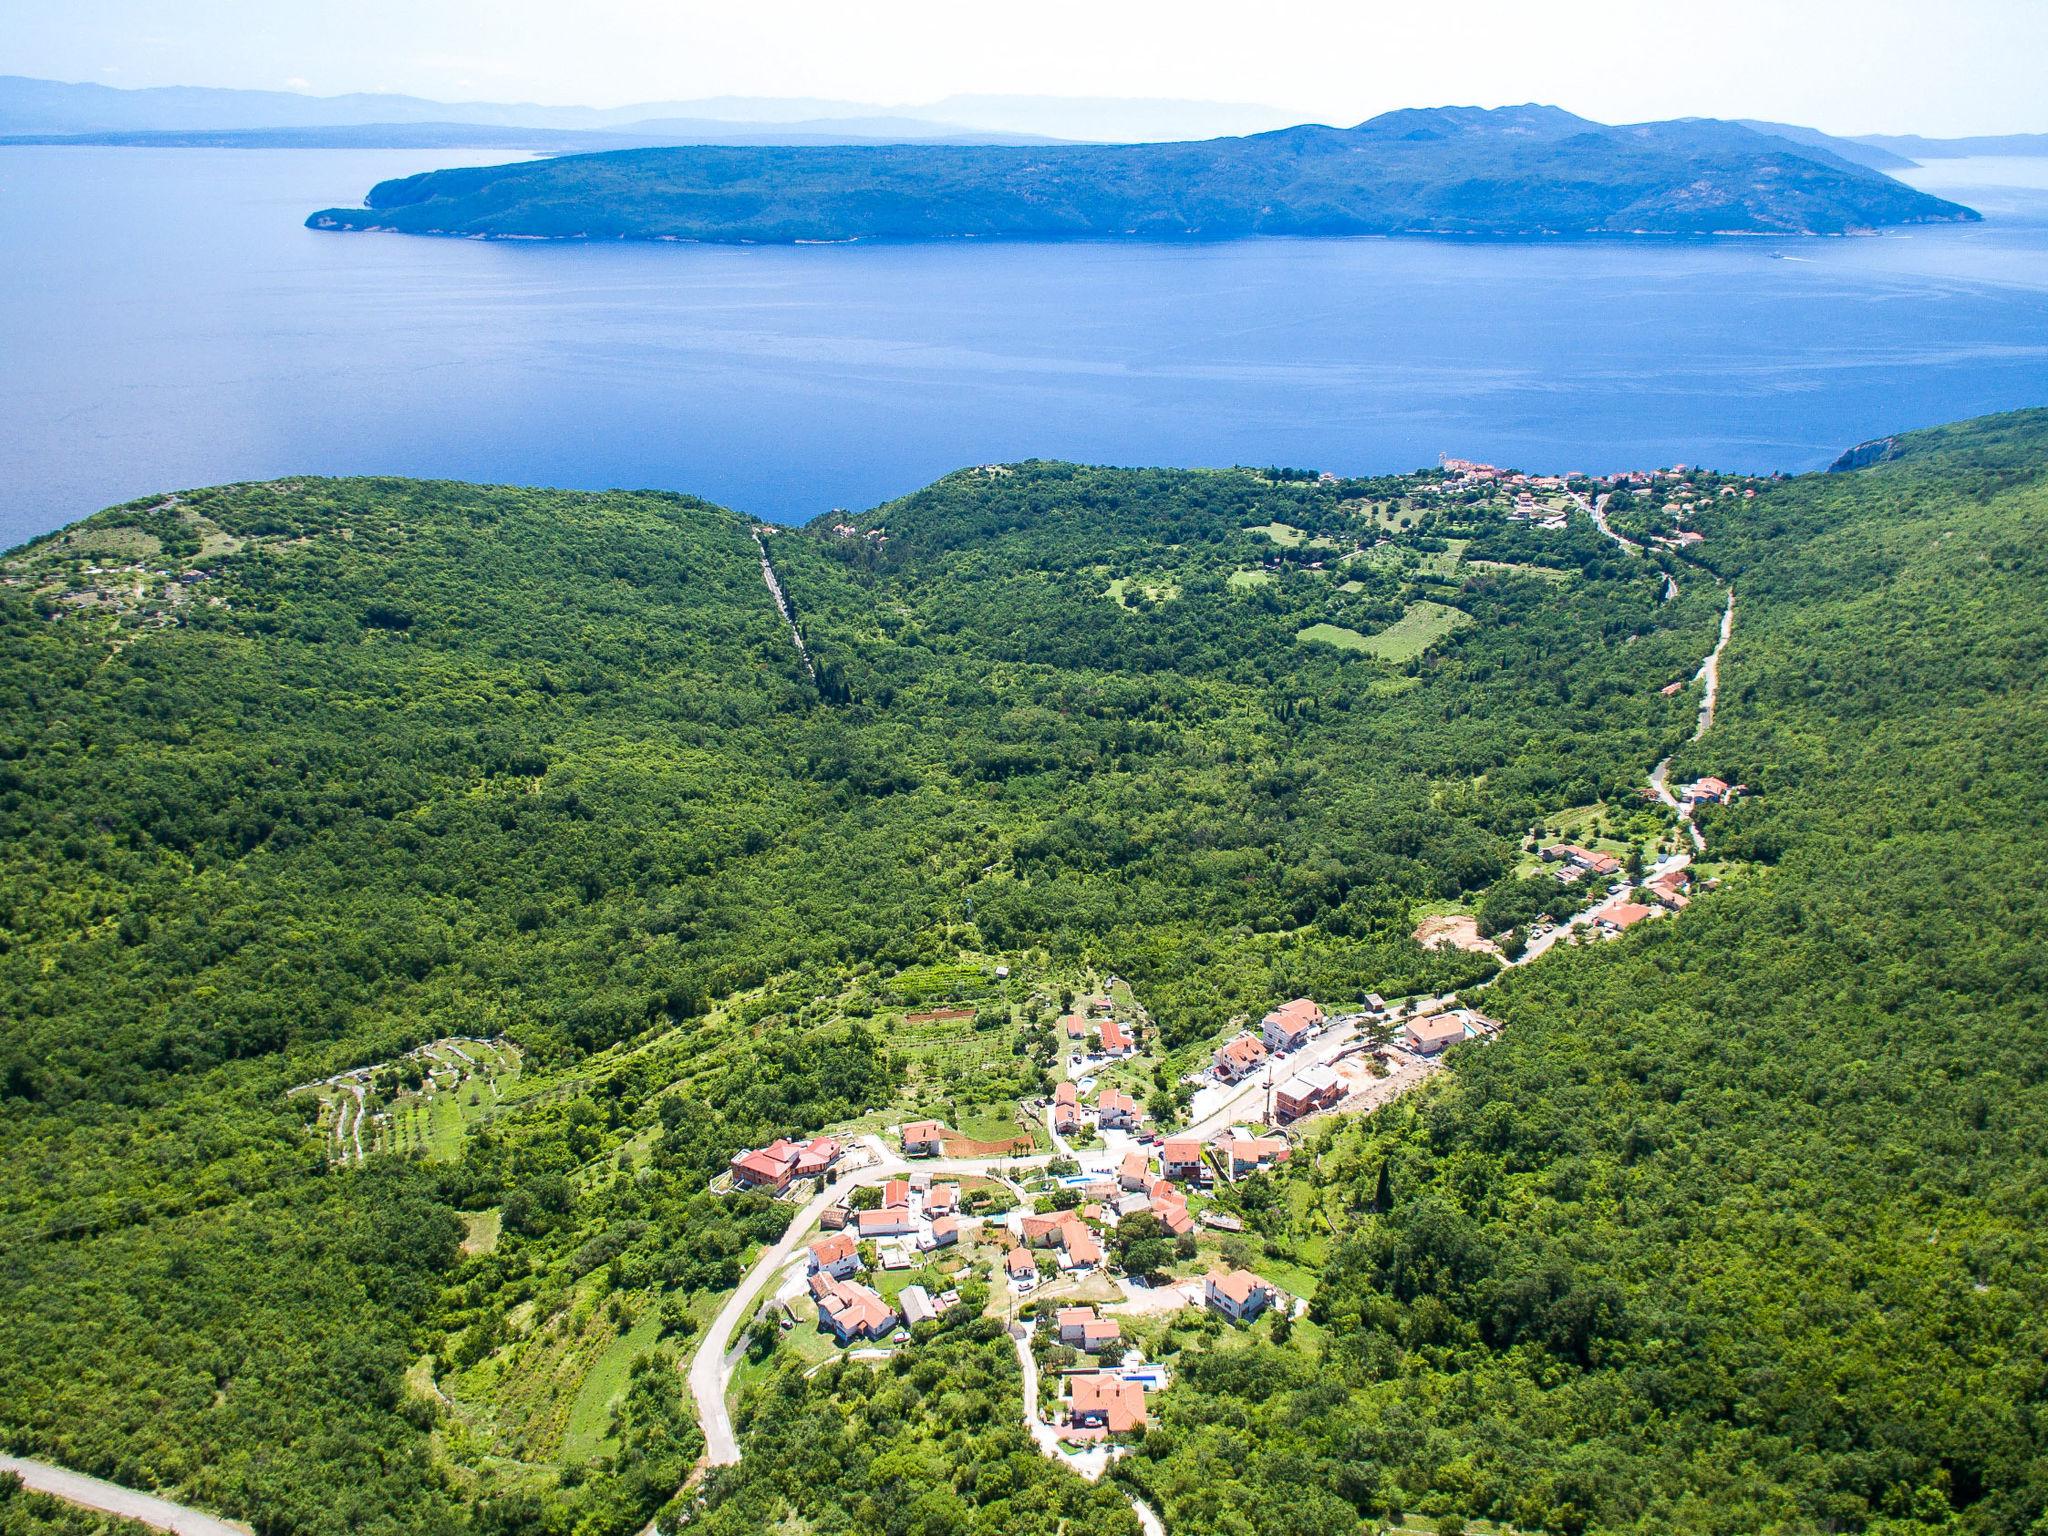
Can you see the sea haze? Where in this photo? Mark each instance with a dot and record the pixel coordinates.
(168, 322)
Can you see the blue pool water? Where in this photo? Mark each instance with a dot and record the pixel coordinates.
(166, 321)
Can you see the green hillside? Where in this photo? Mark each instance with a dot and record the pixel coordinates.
(297, 778)
(1517, 171)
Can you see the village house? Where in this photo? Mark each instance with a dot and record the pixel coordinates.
(917, 1306)
(1115, 1109)
(1617, 917)
(1434, 1035)
(1249, 1154)
(771, 1167)
(1180, 1157)
(1306, 1092)
(944, 1234)
(1135, 1171)
(1670, 889)
(1043, 1230)
(942, 1200)
(850, 1309)
(1172, 1211)
(1103, 1400)
(1709, 791)
(896, 1192)
(1072, 1323)
(1116, 1040)
(1022, 1268)
(1080, 1249)
(818, 1156)
(1289, 1026)
(1077, 1028)
(1238, 1294)
(837, 1255)
(888, 1221)
(1066, 1108)
(923, 1138)
(1240, 1058)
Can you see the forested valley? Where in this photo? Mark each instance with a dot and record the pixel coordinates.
(1732, 1229)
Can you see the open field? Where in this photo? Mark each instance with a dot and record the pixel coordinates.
(1423, 625)
(1335, 635)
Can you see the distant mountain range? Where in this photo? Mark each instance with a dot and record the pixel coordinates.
(44, 111)
(52, 111)
(1518, 172)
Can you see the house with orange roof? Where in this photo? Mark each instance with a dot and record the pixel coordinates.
(770, 1167)
(1101, 1334)
(1135, 1171)
(1079, 1248)
(1072, 1323)
(1617, 917)
(943, 1200)
(1103, 1400)
(1434, 1035)
(1043, 1231)
(818, 1156)
(1289, 1026)
(923, 1138)
(1116, 1109)
(1249, 1154)
(1240, 1058)
(1180, 1157)
(1022, 1267)
(1116, 1040)
(837, 1255)
(1172, 1211)
(945, 1233)
(888, 1221)
(896, 1192)
(1238, 1294)
(850, 1309)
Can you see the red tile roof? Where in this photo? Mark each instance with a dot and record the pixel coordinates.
(834, 1249)
(1120, 1403)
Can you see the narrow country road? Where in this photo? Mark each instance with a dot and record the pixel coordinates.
(782, 605)
(113, 1499)
(711, 1367)
(1709, 674)
(1597, 510)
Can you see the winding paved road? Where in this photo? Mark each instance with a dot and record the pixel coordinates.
(113, 1499)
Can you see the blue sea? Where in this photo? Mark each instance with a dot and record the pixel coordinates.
(166, 321)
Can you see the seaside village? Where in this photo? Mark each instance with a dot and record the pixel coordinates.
(1092, 1250)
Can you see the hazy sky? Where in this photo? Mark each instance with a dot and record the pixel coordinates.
(1934, 66)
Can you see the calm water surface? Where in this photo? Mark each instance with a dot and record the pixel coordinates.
(166, 322)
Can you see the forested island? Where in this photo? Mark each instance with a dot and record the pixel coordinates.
(1514, 172)
(413, 897)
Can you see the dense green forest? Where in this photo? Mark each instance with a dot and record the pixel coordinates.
(1738, 1226)
(1730, 1230)
(1526, 172)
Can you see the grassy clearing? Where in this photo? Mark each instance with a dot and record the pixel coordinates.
(1335, 636)
(1244, 580)
(482, 1231)
(1286, 535)
(587, 1433)
(1423, 625)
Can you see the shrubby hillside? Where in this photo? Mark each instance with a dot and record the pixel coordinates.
(400, 761)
